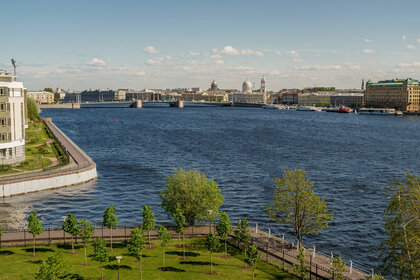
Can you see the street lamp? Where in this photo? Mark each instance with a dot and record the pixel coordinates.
(118, 260)
(210, 220)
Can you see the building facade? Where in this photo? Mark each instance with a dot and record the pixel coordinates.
(399, 94)
(12, 119)
(41, 97)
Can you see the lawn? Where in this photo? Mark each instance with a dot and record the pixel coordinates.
(17, 263)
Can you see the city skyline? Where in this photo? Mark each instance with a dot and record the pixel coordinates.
(79, 45)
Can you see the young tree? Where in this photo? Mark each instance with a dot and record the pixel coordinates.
(301, 268)
(212, 245)
(296, 204)
(400, 253)
(86, 232)
(148, 221)
(195, 194)
(180, 225)
(35, 227)
(1, 233)
(164, 236)
(53, 268)
(110, 219)
(252, 258)
(70, 226)
(338, 268)
(243, 236)
(224, 228)
(377, 277)
(136, 246)
(100, 252)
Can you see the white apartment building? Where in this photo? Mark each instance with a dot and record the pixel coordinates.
(12, 119)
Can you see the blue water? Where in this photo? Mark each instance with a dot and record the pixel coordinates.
(349, 157)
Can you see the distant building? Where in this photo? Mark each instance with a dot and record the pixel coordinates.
(12, 119)
(247, 95)
(288, 97)
(41, 97)
(399, 94)
(120, 94)
(213, 86)
(331, 98)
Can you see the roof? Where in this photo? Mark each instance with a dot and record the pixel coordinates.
(394, 82)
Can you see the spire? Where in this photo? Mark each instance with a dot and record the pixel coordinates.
(363, 84)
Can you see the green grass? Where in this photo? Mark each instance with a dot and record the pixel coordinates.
(17, 263)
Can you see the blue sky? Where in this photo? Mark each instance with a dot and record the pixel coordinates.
(166, 44)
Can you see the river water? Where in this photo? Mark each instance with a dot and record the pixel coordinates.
(349, 157)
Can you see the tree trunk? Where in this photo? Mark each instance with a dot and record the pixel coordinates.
(245, 257)
(72, 246)
(111, 238)
(102, 276)
(253, 273)
(85, 255)
(225, 247)
(211, 262)
(192, 231)
(150, 244)
(179, 238)
(34, 246)
(183, 246)
(163, 258)
(141, 274)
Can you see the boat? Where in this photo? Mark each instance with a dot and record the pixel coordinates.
(379, 111)
(270, 106)
(344, 109)
(303, 108)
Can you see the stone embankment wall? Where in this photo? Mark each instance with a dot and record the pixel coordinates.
(83, 170)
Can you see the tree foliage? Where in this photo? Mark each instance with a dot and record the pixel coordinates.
(53, 268)
(243, 236)
(295, 203)
(110, 219)
(148, 221)
(212, 244)
(252, 258)
(338, 268)
(100, 252)
(70, 226)
(34, 226)
(86, 232)
(32, 109)
(164, 236)
(136, 245)
(400, 251)
(49, 90)
(195, 194)
(300, 267)
(180, 223)
(224, 228)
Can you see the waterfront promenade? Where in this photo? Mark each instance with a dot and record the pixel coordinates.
(272, 249)
(81, 169)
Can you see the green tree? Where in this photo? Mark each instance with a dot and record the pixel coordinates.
(49, 90)
(53, 268)
(195, 194)
(164, 236)
(338, 268)
(148, 222)
(32, 109)
(35, 227)
(212, 244)
(224, 228)
(100, 252)
(400, 251)
(243, 236)
(180, 223)
(301, 268)
(136, 246)
(86, 232)
(377, 277)
(70, 226)
(252, 258)
(110, 219)
(296, 204)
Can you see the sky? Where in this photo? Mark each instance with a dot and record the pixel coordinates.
(169, 44)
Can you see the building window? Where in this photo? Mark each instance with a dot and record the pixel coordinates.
(3, 121)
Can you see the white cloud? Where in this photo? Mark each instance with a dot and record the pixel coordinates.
(216, 57)
(319, 67)
(242, 68)
(153, 61)
(317, 55)
(168, 57)
(368, 41)
(96, 62)
(418, 40)
(414, 64)
(351, 66)
(141, 73)
(278, 52)
(404, 37)
(368, 51)
(219, 61)
(150, 49)
(411, 47)
(297, 60)
(121, 68)
(293, 53)
(193, 53)
(229, 50)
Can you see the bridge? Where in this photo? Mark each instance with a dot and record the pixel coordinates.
(144, 103)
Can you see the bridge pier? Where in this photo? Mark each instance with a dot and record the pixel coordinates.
(180, 104)
(139, 104)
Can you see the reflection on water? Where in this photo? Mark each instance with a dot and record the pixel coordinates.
(349, 157)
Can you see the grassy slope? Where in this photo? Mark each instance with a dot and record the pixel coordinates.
(16, 263)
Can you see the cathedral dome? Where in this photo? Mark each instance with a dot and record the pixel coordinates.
(247, 87)
(213, 85)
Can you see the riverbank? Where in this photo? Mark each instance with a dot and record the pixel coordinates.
(82, 169)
